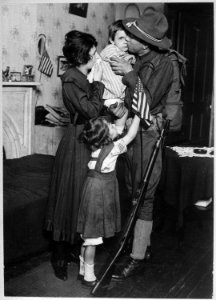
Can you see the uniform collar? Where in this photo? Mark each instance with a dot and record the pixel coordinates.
(148, 56)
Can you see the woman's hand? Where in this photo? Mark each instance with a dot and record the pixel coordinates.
(120, 66)
(98, 71)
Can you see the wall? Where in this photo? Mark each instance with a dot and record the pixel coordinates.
(19, 36)
(21, 25)
(127, 9)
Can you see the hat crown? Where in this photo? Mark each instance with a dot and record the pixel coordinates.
(153, 23)
(151, 28)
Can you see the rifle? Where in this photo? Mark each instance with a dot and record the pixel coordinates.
(138, 199)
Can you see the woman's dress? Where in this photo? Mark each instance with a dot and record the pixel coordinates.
(83, 101)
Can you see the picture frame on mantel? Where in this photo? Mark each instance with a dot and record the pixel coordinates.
(15, 76)
(62, 65)
(79, 9)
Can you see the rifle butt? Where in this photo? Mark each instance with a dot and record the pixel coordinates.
(106, 273)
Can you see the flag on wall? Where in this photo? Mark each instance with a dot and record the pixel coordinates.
(140, 104)
(45, 65)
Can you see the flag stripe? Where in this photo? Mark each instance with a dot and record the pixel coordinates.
(140, 104)
(143, 111)
(45, 65)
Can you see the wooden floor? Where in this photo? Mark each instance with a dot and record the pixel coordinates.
(175, 271)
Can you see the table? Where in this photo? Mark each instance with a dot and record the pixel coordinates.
(185, 180)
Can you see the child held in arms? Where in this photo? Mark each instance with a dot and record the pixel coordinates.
(114, 88)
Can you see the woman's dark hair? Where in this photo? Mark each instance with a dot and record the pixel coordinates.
(113, 28)
(77, 46)
(96, 133)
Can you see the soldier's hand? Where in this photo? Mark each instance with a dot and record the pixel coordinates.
(120, 66)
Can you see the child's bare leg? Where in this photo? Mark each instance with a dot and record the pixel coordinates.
(89, 257)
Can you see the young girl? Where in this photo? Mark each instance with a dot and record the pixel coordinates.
(99, 213)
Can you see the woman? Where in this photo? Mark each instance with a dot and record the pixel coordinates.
(84, 101)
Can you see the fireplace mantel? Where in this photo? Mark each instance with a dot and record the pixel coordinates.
(20, 83)
(18, 118)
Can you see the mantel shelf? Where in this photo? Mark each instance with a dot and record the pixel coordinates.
(20, 83)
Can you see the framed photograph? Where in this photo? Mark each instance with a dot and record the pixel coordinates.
(79, 9)
(26, 78)
(15, 76)
(27, 70)
(62, 65)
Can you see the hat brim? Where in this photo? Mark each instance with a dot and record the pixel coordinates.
(165, 43)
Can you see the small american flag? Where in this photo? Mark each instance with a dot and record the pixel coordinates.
(45, 65)
(140, 104)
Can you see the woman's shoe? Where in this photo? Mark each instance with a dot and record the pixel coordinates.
(60, 269)
(80, 277)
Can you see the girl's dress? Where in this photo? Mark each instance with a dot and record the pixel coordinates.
(99, 214)
(83, 101)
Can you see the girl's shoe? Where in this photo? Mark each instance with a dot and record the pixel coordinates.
(89, 283)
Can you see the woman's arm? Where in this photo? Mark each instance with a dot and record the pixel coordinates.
(88, 104)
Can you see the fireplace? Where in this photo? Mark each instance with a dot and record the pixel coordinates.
(18, 118)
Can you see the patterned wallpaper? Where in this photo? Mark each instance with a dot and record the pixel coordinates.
(21, 25)
(19, 35)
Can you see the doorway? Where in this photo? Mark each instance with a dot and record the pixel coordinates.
(191, 31)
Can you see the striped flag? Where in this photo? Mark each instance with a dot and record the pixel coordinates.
(140, 104)
(45, 65)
